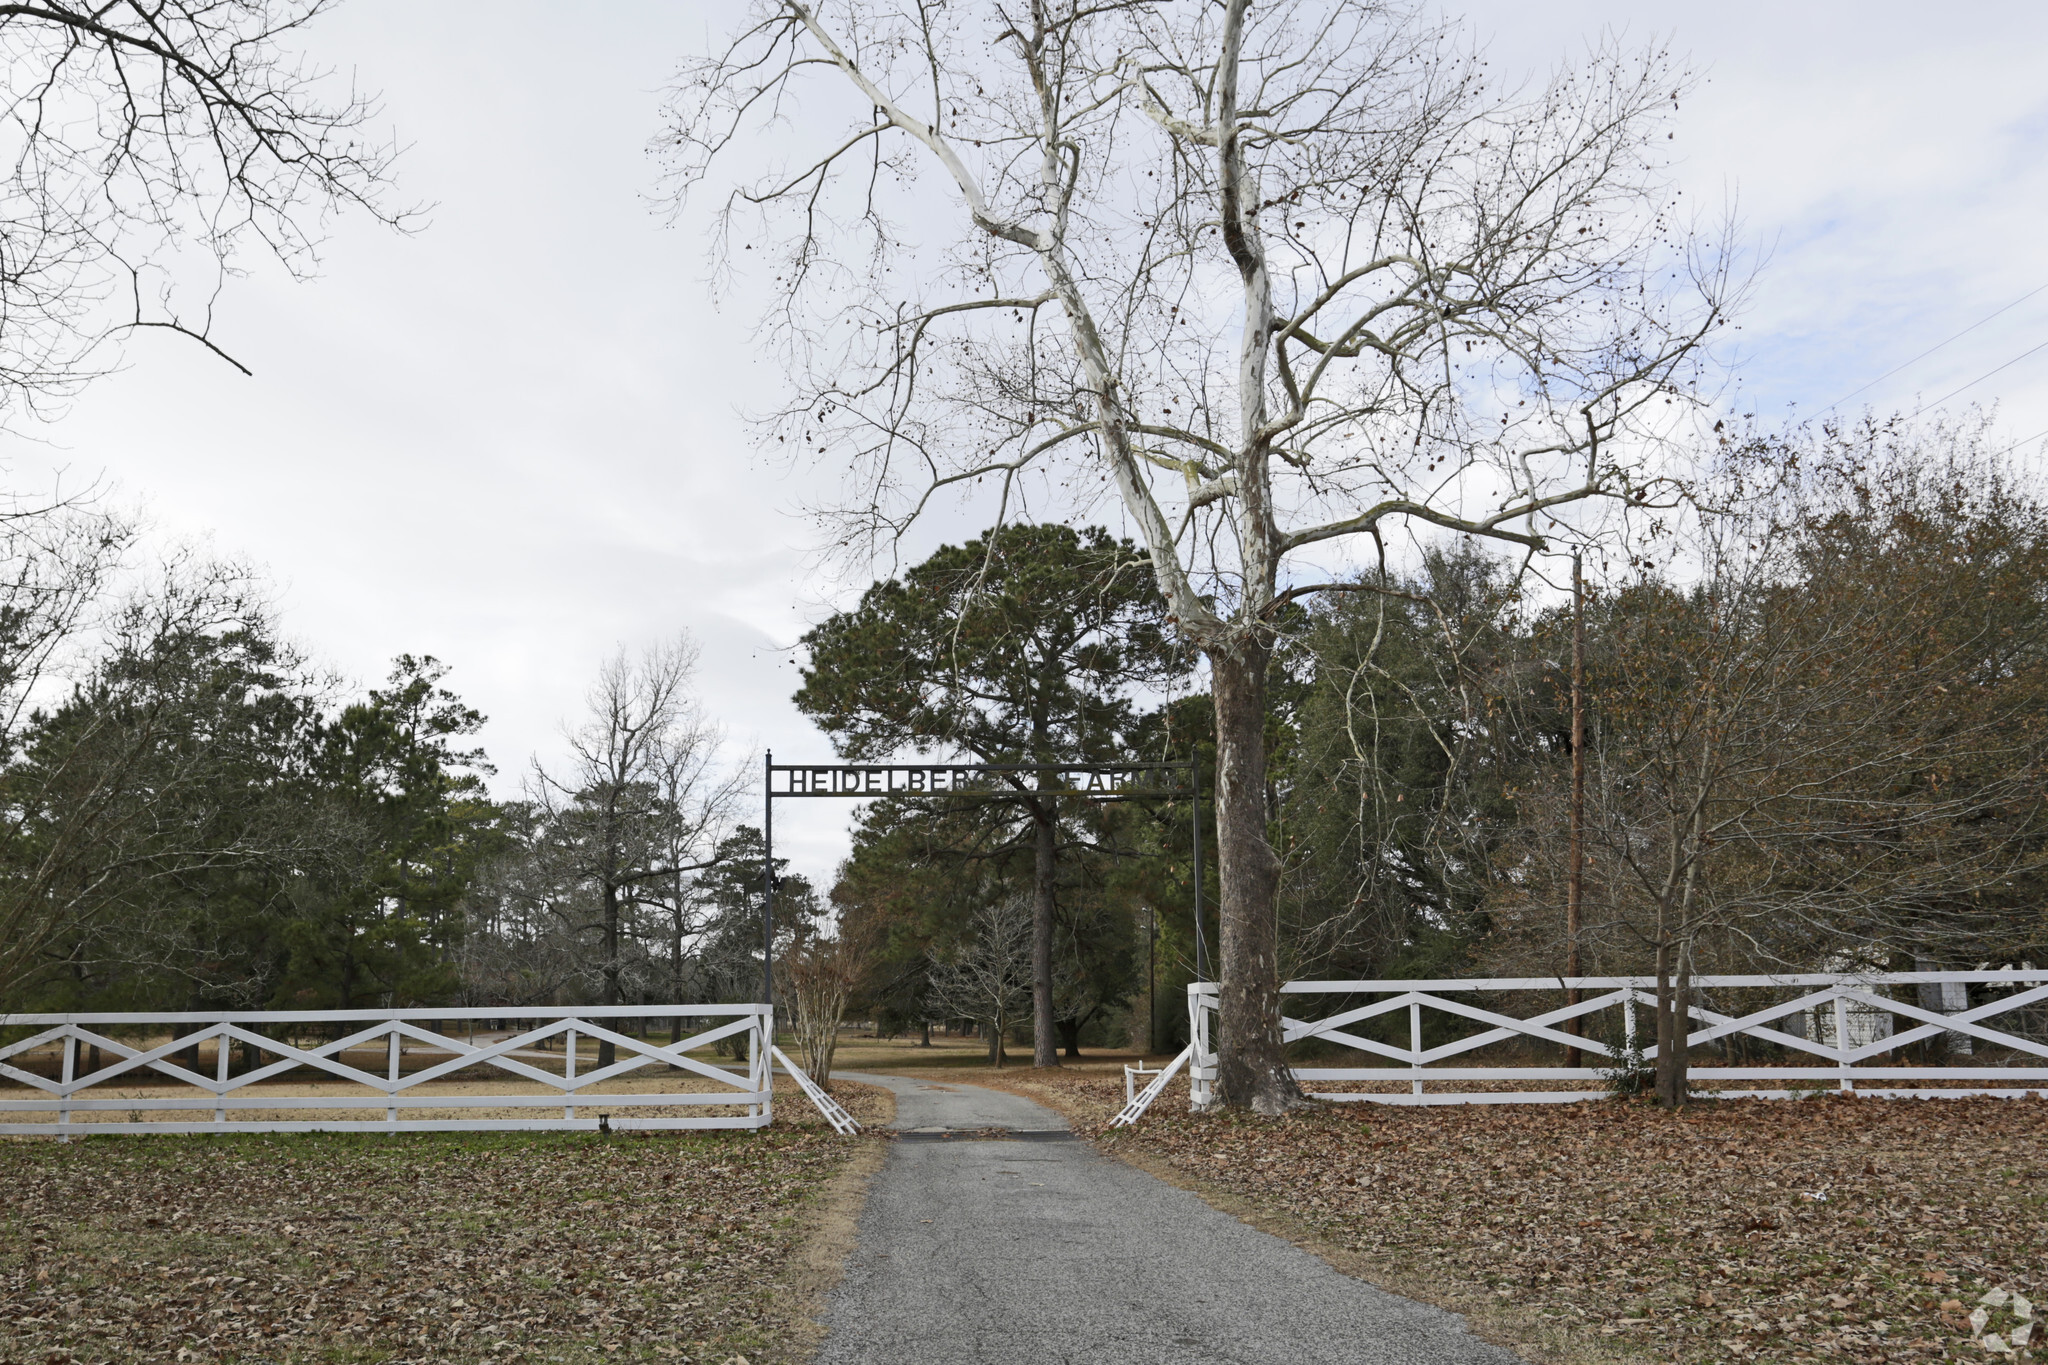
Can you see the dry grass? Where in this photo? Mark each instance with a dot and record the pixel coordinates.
(859, 1052)
(425, 1247)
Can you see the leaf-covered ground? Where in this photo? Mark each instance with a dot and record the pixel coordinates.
(1823, 1229)
(412, 1247)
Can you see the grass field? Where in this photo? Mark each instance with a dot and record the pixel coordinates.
(424, 1247)
(864, 1053)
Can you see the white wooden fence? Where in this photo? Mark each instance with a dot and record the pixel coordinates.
(536, 1071)
(1838, 1031)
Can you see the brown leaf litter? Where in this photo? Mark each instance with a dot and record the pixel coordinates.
(407, 1249)
(1829, 1229)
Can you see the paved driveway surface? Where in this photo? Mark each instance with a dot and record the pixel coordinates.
(1039, 1249)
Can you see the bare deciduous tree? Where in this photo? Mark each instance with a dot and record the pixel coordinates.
(121, 743)
(1828, 749)
(644, 800)
(988, 978)
(144, 139)
(819, 975)
(1279, 280)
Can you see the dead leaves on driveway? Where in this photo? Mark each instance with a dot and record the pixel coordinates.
(1826, 1229)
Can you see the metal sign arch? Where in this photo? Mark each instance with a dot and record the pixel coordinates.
(1103, 782)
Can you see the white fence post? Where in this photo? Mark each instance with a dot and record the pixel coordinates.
(569, 1074)
(1201, 1055)
(220, 1071)
(70, 1073)
(1845, 1084)
(1415, 1044)
(391, 1113)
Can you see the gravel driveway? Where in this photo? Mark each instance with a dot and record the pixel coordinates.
(1035, 1248)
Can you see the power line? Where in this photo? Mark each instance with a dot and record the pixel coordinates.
(1937, 346)
(2024, 440)
(1979, 379)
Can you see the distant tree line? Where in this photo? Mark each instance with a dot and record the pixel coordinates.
(193, 816)
(1815, 725)
(1816, 738)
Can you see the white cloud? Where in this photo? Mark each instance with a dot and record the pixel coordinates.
(513, 440)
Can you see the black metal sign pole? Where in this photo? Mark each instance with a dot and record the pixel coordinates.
(1201, 941)
(768, 883)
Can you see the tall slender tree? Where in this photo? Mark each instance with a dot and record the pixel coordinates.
(644, 799)
(1022, 646)
(1275, 278)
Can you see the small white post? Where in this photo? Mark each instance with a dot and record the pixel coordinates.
(1842, 1045)
(69, 1074)
(569, 1074)
(1415, 1044)
(758, 1063)
(391, 1114)
(220, 1073)
(1198, 1038)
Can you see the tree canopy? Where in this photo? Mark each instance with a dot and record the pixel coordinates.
(1031, 644)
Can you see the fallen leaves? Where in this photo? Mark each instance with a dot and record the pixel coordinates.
(408, 1247)
(1694, 1238)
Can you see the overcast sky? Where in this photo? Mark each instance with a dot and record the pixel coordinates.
(514, 440)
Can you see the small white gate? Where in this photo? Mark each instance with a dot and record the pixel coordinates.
(1853, 1054)
(425, 1070)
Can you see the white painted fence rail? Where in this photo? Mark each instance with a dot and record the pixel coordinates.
(1838, 1031)
(821, 1099)
(1135, 1104)
(537, 1070)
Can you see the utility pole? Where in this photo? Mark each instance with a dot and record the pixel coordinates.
(1575, 874)
(1152, 979)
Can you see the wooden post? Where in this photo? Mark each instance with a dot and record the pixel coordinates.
(391, 1113)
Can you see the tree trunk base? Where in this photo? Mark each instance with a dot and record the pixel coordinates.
(1281, 1096)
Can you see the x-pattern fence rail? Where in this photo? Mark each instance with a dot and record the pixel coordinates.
(545, 1049)
(1854, 1026)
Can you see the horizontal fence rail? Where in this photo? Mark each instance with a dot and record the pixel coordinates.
(328, 1071)
(1772, 1037)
